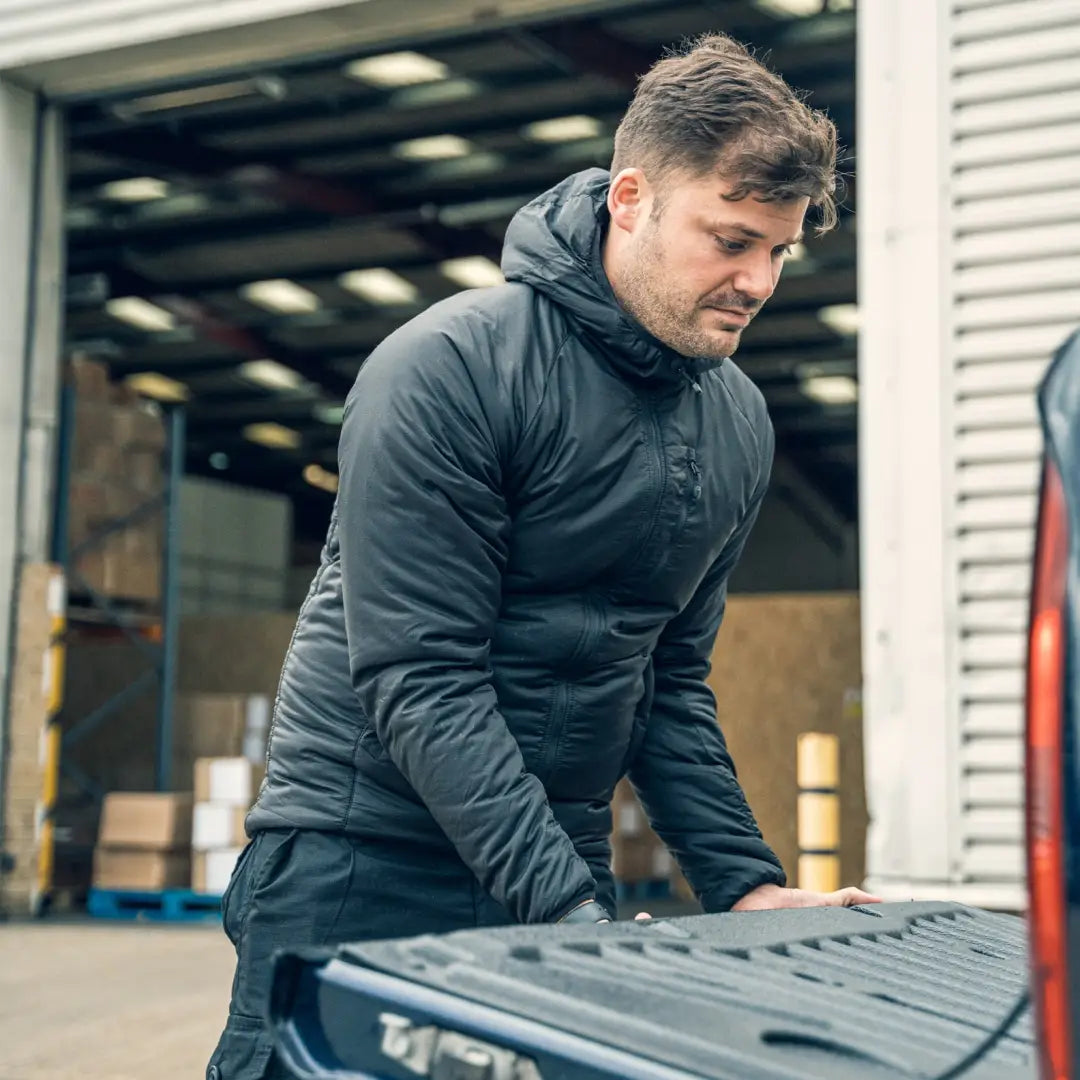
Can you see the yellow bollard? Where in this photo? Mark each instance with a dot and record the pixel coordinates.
(51, 738)
(819, 812)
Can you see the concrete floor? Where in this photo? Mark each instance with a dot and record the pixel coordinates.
(89, 1000)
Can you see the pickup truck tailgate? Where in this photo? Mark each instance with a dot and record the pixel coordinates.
(898, 990)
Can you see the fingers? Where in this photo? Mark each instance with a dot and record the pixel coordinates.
(852, 897)
(642, 916)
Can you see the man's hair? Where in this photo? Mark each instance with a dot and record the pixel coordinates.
(712, 106)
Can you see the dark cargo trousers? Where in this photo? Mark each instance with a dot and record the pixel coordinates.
(301, 888)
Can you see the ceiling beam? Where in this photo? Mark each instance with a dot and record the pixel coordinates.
(188, 158)
(247, 342)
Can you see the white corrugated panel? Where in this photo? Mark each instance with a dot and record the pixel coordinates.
(1019, 44)
(996, 823)
(1013, 445)
(998, 19)
(992, 719)
(1018, 79)
(1015, 254)
(978, 118)
(1002, 343)
(998, 580)
(1034, 275)
(992, 652)
(995, 546)
(995, 616)
(1014, 478)
(1016, 177)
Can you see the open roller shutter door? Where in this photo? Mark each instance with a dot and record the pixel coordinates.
(1015, 297)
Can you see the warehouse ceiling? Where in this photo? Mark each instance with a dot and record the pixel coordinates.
(243, 244)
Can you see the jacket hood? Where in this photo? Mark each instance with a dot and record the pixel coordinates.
(555, 244)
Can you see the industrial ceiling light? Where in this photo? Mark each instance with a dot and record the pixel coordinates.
(380, 286)
(472, 272)
(434, 93)
(563, 129)
(397, 69)
(434, 148)
(799, 9)
(282, 296)
(321, 478)
(219, 460)
(842, 319)
(275, 436)
(831, 389)
(136, 190)
(272, 375)
(160, 387)
(329, 414)
(472, 165)
(136, 311)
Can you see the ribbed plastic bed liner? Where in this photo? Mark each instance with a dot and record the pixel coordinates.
(899, 990)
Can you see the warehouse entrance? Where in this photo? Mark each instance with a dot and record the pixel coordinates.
(241, 234)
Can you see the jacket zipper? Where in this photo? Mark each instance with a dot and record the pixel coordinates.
(560, 710)
(695, 473)
(661, 466)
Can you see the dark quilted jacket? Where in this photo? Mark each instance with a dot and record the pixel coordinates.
(525, 570)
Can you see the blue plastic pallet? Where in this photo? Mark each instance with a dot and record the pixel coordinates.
(642, 890)
(170, 905)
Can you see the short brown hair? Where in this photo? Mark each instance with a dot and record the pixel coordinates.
(713, 105)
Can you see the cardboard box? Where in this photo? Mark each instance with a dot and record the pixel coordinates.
(218, 825)
(637, 859)
(211, 871)
(150, 821)
(138, 427)
(234, 781)
(91, 378)
(121, 868)
(219, 726)
(627, 817)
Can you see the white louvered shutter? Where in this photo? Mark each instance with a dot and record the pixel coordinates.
(1014, 78)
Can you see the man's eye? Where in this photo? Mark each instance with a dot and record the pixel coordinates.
(732, 247)
(780, 252)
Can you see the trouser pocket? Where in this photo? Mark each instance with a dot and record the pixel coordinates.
(244, 1051)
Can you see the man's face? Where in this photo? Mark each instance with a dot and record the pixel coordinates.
(695, 270)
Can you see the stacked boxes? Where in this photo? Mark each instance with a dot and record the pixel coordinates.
(219, 726)
(225, 788)
(144, 842)
(116, 465)
(638, 854)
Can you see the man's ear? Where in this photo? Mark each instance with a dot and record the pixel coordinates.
(629, 199)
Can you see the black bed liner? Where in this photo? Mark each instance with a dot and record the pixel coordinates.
(898, 990)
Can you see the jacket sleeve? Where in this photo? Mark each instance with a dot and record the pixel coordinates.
(683, 772)
(423, 530)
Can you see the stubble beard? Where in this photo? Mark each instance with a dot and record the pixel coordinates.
(647, 294)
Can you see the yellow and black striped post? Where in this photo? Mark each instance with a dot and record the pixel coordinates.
(819, 812)
(51, 739)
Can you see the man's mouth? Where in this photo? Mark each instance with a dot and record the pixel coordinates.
(742, 318)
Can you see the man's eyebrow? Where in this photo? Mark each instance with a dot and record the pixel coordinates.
(752, 234)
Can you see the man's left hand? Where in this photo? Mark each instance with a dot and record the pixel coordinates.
(771, 897)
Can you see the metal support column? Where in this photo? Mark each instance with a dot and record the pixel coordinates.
(170, 598)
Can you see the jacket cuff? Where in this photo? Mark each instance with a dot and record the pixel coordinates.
(588, 912)
(734, 887)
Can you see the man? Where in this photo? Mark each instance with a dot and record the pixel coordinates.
(543, 490)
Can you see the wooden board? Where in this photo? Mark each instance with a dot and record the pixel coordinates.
(22, 758)
(782, 666)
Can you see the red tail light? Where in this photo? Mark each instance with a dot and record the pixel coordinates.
(1045, 796)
